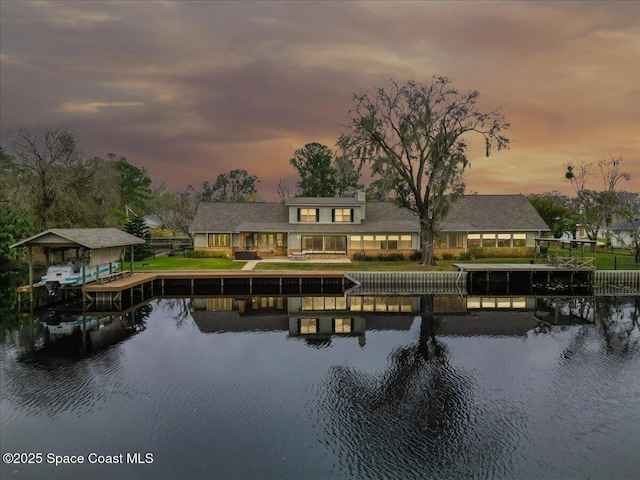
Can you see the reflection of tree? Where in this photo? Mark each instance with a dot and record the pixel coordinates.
(618, 330)
(618, 321)
(417, 418)
(179, 308)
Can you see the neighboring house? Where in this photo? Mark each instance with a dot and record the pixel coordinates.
(152, 222)
(343, 226)
(621, 235)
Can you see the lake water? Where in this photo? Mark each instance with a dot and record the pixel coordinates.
(330, 388)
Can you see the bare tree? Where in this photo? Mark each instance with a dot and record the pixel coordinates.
(628, 234)
(282, 189)
(596, 207)
(419, 133)
(52, 176)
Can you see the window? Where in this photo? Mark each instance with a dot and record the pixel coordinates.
(267, 241)
(324, 243)
(473, 240)
(308, 326)
(323, 303)
(519, 239)
(335, 244)
(280, 240)
(342, 215)
(381, 242)
(488, 239)
(405, 241)
(342, 325)
(356, 242)
(456, 240)
(355, 303)
(219, 240)
(307, 214)
(219, 304)
(504, 239)
(367, 242)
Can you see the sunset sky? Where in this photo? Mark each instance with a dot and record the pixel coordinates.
(192, 89)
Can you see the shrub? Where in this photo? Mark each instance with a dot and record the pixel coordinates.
(361, 257)
(391, 257)
(382, 257)
(205, 254)
(415, 256)
(465, 256)
(448, 256)
(502, 252)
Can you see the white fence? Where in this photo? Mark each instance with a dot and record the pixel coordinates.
(608, 282)
(409, 282)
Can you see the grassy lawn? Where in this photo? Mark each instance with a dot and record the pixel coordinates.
(355, 266)
(178, 262)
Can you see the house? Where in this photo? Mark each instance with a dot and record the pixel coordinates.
(341, 227)
(622, 234)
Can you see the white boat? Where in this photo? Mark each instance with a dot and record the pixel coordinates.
(61, 325)
(70, 274)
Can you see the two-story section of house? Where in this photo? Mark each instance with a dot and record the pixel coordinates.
(316, 226)
(339, 227)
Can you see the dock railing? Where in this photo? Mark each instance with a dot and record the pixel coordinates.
(428, 282)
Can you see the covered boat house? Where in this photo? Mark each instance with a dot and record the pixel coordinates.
(95, 246)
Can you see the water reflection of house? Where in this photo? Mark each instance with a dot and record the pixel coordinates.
(307, 316)
(322, 317)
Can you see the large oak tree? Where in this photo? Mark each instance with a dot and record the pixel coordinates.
(418, 133)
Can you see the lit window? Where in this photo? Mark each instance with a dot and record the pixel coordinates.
(355, 303)
(356, 242)
(307, 214)
(342, 215)
(504, 239)
(405, 241)
(219, 239)
(405, 304)
(488, 239)
(473, 240)
(308, 326)
(342, 325)
(367, 242)
(519, 239)
(393, 242)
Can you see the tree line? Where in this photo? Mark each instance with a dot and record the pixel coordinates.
(413, 137)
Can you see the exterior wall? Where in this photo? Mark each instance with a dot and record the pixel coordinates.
(325, 215)
(102, 256)
(199, 240)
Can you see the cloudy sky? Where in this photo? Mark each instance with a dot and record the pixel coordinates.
(191, 89)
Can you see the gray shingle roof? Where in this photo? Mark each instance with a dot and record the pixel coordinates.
(626, 225)
(225, 217)
(91, 238)
(322, 201)
(469, 213)
(274, 217)
(492, 213)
